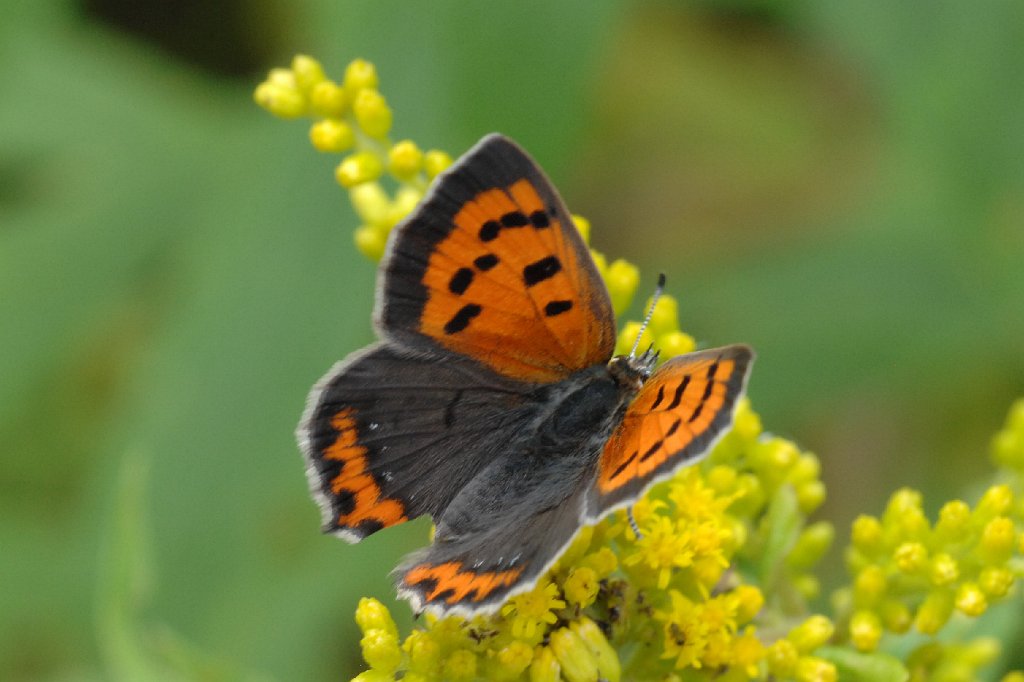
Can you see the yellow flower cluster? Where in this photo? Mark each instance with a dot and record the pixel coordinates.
(352, 117)
(715, 587)
(911, 573)
(678, 589)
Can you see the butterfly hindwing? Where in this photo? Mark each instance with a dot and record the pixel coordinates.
(680, 412)
(491, 266)
(504, 553)
(389, 436)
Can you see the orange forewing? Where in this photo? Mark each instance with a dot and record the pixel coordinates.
(525, 305)
(354, 481)
(673, 417)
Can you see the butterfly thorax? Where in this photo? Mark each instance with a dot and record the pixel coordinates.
(582, 410)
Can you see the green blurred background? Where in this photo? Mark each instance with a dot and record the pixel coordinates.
(839, 184)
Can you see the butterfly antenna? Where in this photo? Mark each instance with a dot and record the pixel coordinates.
(650, 311)
(632, 522)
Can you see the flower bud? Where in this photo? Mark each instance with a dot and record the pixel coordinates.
(869, 585)
(675, 343)
(970, 600)
(865, 630)
(328, 99)
(371, 614)
(380, 650)
(331, 135)
(944, 570)
(511, 661)
(749, 602)
(934, 612)
(578, 663)
(581, 586)
(357, 168)
(372, 112)
(953, 519)
(360, 74)
(370, 202)
(582, 226)
(607, 659)
(810, 495)
(665, 317)
(283, 102)
(896, 616)
(996, 501)
(371, 241)
(627, 337)
(911, 557)
(997, 540)
(782, 658)
(811, 634)
(867, 534)
(995, 581)
(603, 562)
(405, 160)
(435, 162)
(811, 545)
(423, 651)
(308, 72)
(460, 666)
(545, 666)
(813, 669)
(622, 279)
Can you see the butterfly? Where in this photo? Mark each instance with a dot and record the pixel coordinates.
(491, 401)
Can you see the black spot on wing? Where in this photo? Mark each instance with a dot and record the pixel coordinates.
(461, 319)
(515, 219)
(460, 281)
(672, 429)
(344, 502)
(661, 396)
(677, 398)
(557, 308)
(541, 270)
(489, 231)
(622, 467)
(539, 219)
(650, 451)
(485, 262)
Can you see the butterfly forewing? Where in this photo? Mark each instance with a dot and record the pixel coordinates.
(675, 419)
(389, 436)
(490, 266)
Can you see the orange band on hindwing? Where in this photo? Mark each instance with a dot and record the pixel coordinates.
(358, 496)
(450, 584)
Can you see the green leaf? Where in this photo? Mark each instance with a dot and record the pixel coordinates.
(854, 666)
(781, 528)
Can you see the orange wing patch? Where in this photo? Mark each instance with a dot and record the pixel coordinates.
(507, 287)
(450, 584)
(359, 496)
(678, 413)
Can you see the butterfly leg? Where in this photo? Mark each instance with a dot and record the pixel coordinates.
(632, 523)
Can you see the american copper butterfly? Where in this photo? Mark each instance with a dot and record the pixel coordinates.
(492, 401)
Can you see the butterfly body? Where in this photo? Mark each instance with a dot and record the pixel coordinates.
(492, 402)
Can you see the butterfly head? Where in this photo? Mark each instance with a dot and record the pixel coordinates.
(633, 370)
